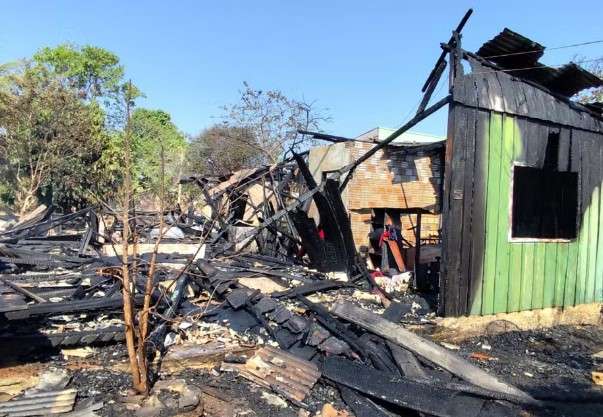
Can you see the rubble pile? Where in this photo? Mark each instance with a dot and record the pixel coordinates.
(250, 296)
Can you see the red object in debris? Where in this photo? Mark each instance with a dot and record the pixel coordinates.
(302, 250)
(321, 234)
(384, 236)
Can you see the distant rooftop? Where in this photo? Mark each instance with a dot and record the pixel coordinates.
(381, 133)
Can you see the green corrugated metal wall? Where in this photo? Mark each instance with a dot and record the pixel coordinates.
(518, 276)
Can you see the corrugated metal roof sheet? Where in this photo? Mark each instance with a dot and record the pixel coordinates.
(281, 371)
(519, 56)
(511, 50)
(40, 404)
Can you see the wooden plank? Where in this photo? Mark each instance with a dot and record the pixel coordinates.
(516, 249)
(593, 229)
(530, 96)
(406, 361)
(536, 143)
(425, 348)
(522, 100)
(564, 156)
(360, 405)
(569, 297)
(593, 171)
(527, 276)
(561, 273)
(454, 217)
(515, 277)
(540, 109)
(495, 92)
(478, 223)
(503, 248)
(582, 270)
(598, 293)
(569, 293)
(494, 153)
(469, 176)
(429, 399)
(508, 93)
(538, 283)
(579, 143)
(23, 291)
(550, 268)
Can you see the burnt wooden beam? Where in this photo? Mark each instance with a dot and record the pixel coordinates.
(324, 136)
(349, 169)
(269, 221)
(425, 398)
(360, 405)
(442, 57)
(71, 307)
(23, 291)
(406, 362)
(426, 349)
(281, 204)
(432, 85)
(309, 289)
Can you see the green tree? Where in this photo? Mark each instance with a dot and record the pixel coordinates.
(220, 150)
(50, 140)
(154, 136)
(95, 72)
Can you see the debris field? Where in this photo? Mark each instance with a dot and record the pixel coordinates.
(258, 309)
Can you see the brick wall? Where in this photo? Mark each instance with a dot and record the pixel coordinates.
(394, 178)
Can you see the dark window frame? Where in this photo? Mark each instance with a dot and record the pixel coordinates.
(512, 236)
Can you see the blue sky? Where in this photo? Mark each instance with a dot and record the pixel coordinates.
(364, 61)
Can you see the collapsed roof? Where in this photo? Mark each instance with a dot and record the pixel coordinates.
(519, 56)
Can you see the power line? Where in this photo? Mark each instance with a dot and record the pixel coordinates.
(545, 48)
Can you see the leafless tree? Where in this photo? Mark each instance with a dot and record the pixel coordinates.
(274, 119)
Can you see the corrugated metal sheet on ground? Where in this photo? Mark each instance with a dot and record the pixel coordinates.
(40, 404)
(284, 373)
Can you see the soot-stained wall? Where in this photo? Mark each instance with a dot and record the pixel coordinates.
(495, 123)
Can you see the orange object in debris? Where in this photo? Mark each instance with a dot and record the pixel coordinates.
(395, 249)
(481, 356)
(329, 411)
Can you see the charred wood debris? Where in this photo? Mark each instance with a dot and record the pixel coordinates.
(295, 319)
(248, 280)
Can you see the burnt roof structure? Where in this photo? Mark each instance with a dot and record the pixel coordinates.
(519, 56)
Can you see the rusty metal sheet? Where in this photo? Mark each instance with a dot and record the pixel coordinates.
(280, 371)
(40, 404)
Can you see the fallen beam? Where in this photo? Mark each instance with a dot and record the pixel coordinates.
(23, 291)
(309, 289)
(406, 393)
(425, 348)
(349, 169)
(361, 406)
